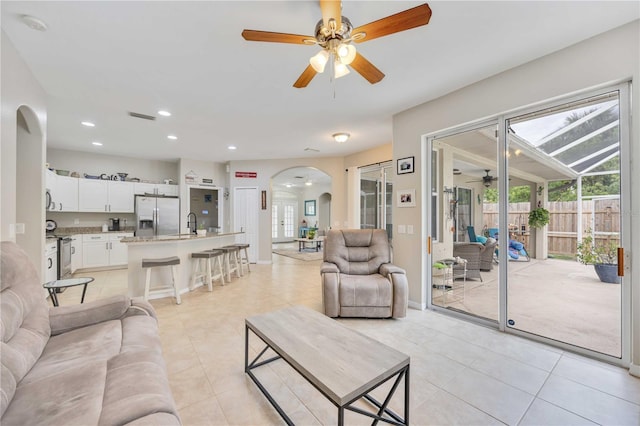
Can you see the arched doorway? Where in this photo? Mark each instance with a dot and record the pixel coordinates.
(299, 194)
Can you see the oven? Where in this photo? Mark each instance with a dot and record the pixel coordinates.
(64, 258)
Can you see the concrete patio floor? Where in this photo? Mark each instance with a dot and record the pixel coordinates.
(559, 299)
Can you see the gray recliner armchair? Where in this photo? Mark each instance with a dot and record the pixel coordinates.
(358, 278)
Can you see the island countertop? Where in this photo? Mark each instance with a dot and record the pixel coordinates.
(175, 238)
(180, 245)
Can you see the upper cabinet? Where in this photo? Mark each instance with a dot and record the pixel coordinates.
(105, 196)
(63, 191)
(156, 189)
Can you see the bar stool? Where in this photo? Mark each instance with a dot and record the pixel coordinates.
(157, 263)
(242, 249)
(231, 263)
(208, 256)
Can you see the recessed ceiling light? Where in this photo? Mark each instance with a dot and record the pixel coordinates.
(172, 137)
(288, 185)
(34, 23)
(97, 143)
(164, 113)
(232, 147)
(88, 124)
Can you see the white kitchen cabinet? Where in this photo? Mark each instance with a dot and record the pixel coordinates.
(65, 194)
(76, 253)
(117, 250)
(51, 259)
(142, 188)
(168, 190)
(95, 250)
(105, 196)
(120, 197)
(50, 184)
(104, 250)
(93, 195)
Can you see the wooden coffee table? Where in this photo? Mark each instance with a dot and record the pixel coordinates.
(341, 363)
(315, 243)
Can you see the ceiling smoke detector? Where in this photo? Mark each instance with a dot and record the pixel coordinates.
(34, 23)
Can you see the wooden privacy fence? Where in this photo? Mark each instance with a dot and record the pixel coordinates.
(601, 215)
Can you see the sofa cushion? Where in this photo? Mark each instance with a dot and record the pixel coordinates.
(365, 290)
(71, 397)
(66, 351)
(136, 386)
(357, 251)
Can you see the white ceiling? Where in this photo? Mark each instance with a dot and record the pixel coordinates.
(99, 60)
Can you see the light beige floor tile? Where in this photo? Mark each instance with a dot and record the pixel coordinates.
(190, 386)
(514, 373)
(495, 398)
(204, 413)
(445, 409)
(543, 413)
(612, 380)
(587, 402)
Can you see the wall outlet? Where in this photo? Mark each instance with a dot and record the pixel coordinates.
(76, 221)
(409, 229)
(20, 228)
(402, 229)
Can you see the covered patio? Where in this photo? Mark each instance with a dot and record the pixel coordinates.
(560, 299)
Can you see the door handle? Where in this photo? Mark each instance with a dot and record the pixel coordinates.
(60, 206)
(73, 250)
(620, 261)
(105, 208)
(50, 263)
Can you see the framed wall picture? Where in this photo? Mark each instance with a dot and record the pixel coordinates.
(310, 207)
(406, 198)
(405, 165)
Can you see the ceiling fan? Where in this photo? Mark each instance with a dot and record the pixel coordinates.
(486, 179)
(334, 34)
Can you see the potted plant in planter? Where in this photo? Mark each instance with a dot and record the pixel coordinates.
(538, 217)
(603, 257)
(201, 231)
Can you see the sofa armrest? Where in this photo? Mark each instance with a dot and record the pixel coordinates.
(67, 318)
(328, 267)
(390, 268)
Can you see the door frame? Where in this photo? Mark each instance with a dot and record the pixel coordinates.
(624, 90)
(253, 248)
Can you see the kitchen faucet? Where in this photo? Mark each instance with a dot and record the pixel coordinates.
(195, 223)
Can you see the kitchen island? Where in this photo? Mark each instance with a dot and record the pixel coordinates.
(165, 246)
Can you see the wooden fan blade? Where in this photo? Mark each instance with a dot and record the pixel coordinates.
(305, 78)
(410, 18)
(367, 69)
(254, 35)
(331, 9)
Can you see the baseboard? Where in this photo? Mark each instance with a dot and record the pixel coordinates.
(416, 305)
(634, 370)
(264, 262)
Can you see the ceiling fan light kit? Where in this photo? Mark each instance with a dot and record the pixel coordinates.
(334, 34)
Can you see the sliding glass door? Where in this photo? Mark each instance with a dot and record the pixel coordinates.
(521, 209)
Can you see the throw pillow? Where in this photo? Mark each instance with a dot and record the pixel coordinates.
(481, 239)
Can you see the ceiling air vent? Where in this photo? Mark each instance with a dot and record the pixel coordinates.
(142, 116)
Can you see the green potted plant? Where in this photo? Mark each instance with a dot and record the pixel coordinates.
(201, 231)
(311, 234)
(603, 257)
(538, 217)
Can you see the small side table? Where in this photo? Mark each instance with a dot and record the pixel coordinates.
(52, 286)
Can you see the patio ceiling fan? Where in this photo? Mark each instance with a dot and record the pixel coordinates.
(486, 180)
(334, 34)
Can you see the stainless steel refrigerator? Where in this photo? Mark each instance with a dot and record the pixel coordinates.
(157, 216)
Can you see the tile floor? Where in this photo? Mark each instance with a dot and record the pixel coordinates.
(461, 373)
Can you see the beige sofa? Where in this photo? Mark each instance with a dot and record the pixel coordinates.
(358, 279)
(98, 363)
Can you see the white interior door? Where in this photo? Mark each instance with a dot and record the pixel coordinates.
(245, 210)
(284, 217)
